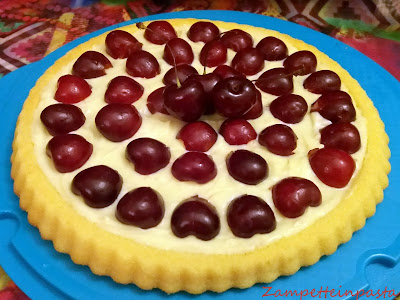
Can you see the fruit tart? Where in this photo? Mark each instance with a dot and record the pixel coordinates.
(198, 155)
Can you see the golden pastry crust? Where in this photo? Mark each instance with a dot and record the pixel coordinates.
(127, 261)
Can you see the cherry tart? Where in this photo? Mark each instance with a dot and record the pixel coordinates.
(199, 141)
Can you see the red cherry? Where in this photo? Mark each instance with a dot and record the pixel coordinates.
(123, 89)
(248, 215)
(293, 195)
(227, 71)
(72, 89)
(155, 101)
(203, 32)
(177, 51)
(247, 167)
(276, 82)
(334, 167)
(322, 81)
(159, 32)
(62, 118)
(99, 186)
(195, 216)
(213, 53)
(209, 81)
(91, 64)
(336, 106)
(197, 136)
(257, 109)
(148, 155)
(272, 48)
(194, 166)
(289, 108)
(343, 136)
(69, 152)
(142, 207)
(237, 40)
(181, 71)
(237, 131)
(248, 61)
(118, 122)
(278, 139)
(142, 64)
(301, 63)
(120, 44)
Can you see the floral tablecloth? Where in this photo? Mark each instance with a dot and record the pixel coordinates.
(31, 29)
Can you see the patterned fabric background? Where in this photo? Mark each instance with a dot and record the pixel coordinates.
(31, 29)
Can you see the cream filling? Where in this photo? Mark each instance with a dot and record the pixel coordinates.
(219, 191)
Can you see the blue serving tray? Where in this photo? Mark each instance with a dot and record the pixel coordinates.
(370, 261)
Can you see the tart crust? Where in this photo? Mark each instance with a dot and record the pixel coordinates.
(127, 261)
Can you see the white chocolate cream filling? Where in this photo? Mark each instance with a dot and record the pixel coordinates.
(220, 191)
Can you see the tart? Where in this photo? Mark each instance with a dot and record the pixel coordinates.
(198, 155)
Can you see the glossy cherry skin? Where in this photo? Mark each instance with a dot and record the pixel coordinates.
(123, 89)
(209, 81)
(120, 44)
(69, 152)
(197, 136)
(336, 106)
(213, 53)
(194, 166)
(276, 82)
(91, 64)
(72, 89)
(322, 81)
(334, 167)
(99, 186)
(293, 195)
(234, 96)
(182, 72)
(247, 167)
(118, 122)
(142, 64)
(343, 136)
(237, 131)
(177, 51)
(203, 32)
(256, 110)
(278, 139)
(301, 63)
(248, 215)
(142, 207)
(147, 155)
(237, 40)
(227, 71)
(272, 48)
(195, 216)
(62, 118)
(159, 32)
(248, 61)
(289, 108)
(155, 101)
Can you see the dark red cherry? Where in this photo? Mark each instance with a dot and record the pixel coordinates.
(142, 207)
(237, 131)
(91, 64)
(336, 106)
(276, 82)
(272, 48)
(195, 216)
(155, 101)
(237, 40)
(209, 81)
(322, 81)
(301, 63)
(247, 167)
(142, 64)
(203, 32)
(197, 136)
(227, 71)
(334, 167)
(293, 195)
(278, 139)
(181, 71)
(99, 186)
(120, 44)
(248, 215)
(69, 152)
(186, 103)
(234, 96)
(289, 108)
(194, 166)
(177, 51)
(343, 136)
(148, 155)
(248, 61)
(123, 89)
(62, 118)
(118, 122)
(213, 53)
(256, 110)
(72, 89)
(159, 32)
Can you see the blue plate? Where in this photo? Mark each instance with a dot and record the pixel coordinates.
(370, 261)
